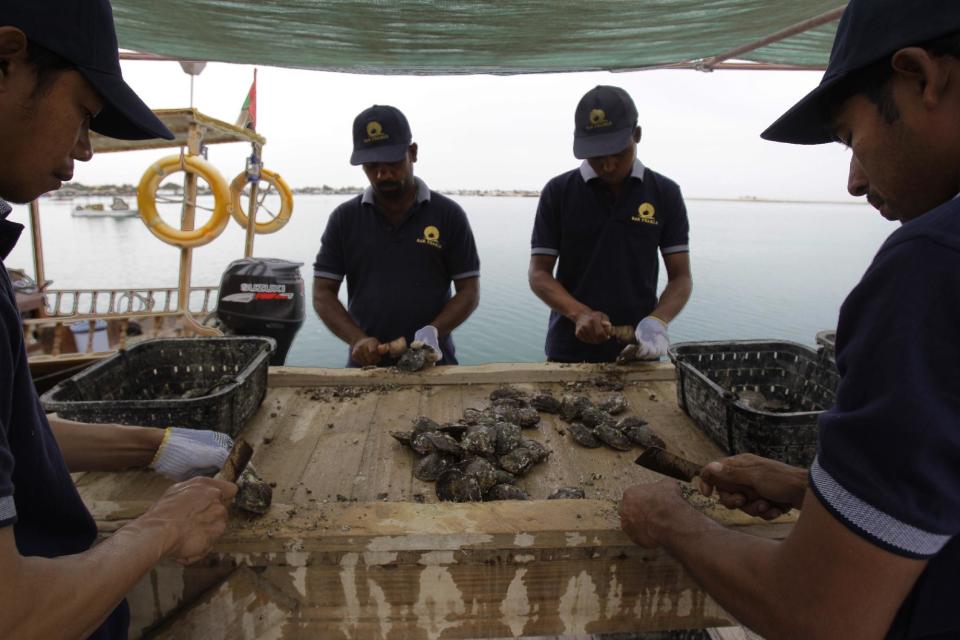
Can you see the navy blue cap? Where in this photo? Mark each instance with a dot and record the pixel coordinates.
(380, 134)
(82, 32)
(869, 31)
(604, 122)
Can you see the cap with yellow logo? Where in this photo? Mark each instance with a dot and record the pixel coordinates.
(380, 134)
(605, 120)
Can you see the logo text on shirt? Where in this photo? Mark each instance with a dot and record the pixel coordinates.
(431, 236)
(646, 213)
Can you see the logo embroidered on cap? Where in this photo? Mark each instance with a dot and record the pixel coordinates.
(646, 213)
(598, 119)
(431, 236)
(375, 132)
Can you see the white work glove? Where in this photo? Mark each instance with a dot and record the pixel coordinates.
(429, 336)
(652, 339)
(185, 453)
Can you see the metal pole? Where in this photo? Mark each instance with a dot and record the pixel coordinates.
(38, 271)
(253, 205)
(800, 27)
(187, 220)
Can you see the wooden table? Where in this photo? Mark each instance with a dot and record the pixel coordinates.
(355, 547)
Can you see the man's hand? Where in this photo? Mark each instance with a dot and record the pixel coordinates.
(193, 514)
(591, 327)
(755, 485)
(365, 352)
(646, 507)
(185, 453)
(429, 336)
(652, 339)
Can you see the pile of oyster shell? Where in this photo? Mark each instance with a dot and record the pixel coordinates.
(481, 456)
(594, 425)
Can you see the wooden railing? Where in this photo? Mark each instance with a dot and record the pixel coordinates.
(109, 314)
(104, 303)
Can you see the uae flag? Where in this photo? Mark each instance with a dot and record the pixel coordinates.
(248, 112)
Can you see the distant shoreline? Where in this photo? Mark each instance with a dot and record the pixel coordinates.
(77, 190)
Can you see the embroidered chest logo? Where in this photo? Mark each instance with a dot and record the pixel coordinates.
(646, 213)
(375, 132)
(598, 119)
(431, 236)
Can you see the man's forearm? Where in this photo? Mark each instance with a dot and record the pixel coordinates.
(556, 296)
(70, 596)
(673, 299)
(736, 569)
(104, 447)
(336, 318)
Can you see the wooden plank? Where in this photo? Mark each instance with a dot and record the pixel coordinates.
(518, 373)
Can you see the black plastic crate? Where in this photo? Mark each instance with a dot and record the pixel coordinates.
(151, 384)
(828, 346)
(756, 396)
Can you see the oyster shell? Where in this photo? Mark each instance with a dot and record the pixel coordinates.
(472, 416)
(614, 404)
(644, 436)
(572, 406)
(253, 494)
(518, 462)
(537, 450)
(482, 471)
(480, 440)
(527, 417)
(506, 492)
(423, 423)
(403, 437)
(504, 477)
(414, 359)
(441, 443)
(592, 416)
(567, 493)
(506, 392)
(429, 467)
(546, 403)
(613, 437)
(454, 486)
(583, 436)
(508, 437)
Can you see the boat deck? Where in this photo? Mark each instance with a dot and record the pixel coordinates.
(355, 547)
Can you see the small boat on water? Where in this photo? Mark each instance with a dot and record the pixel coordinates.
(119, 208)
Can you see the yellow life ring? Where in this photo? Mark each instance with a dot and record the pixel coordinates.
(147, 200)
(286, 201)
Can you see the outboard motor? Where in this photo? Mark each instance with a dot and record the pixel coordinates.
(263, 297)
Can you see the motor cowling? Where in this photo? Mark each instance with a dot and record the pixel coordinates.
(263, 297)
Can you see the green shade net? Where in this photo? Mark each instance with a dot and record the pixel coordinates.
(454, 37)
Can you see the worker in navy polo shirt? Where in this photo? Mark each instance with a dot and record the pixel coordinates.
(399, 245)
(606, 222)
(60, 78)
(875, 552)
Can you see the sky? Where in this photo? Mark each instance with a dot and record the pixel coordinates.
(495, 132)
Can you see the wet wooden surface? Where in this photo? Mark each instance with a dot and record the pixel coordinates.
(355, 547)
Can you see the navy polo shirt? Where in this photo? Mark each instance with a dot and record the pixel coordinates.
(607, 248)
(398, 277)
(888, 465)
(37, 496)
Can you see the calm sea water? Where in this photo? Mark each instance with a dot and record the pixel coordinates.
(760, 270)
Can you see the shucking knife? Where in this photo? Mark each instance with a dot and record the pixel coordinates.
(253, 494)
(669, 464)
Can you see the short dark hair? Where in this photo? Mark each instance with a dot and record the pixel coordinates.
(48, 66)
(873, 81)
